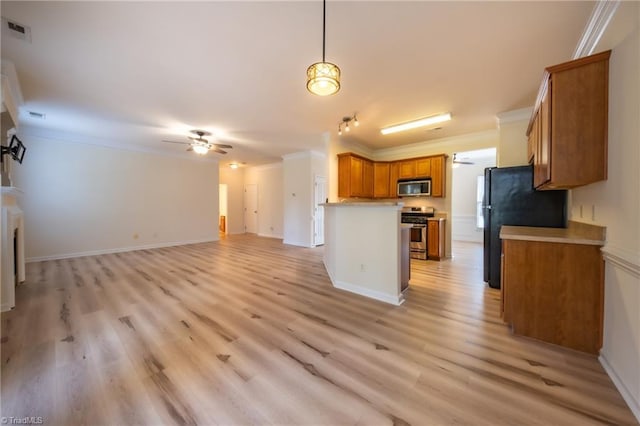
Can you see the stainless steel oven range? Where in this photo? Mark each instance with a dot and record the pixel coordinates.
(417, 217)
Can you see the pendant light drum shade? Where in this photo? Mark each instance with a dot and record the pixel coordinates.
(323, 78)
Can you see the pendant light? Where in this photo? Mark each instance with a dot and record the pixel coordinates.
(323, 78)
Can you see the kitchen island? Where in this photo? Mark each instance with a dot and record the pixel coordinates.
(364, 251)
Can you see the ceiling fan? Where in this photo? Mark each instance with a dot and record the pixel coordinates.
(456, 161)
(200, 145)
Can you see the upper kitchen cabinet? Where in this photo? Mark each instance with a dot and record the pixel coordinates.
(567, 135)
(406, 169)
(359, 177)
(438, 175)
(355, 176)
(382, 180)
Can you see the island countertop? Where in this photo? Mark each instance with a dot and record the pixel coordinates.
(575, 233)
(365, 204)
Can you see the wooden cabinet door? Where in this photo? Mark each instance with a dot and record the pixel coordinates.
(344, 176)
(357, 187)
(393, 179)
(407, 169)
(542, 161)
(437, 176)
(433, 239)
(532, 140)
(367, 178)
(381, 180)
(423, 167)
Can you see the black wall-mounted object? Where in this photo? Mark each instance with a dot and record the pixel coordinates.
(16, 149)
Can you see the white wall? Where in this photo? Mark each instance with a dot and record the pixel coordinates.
(269, 179)
(297, 199)
(86, 199)
(616, 203)
(463, 200)
(234, 179)
(512, 140)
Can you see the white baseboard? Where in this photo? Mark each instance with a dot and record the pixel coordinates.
(279, 237)
(633, 404)
(296, 243)
(5, 307)
(118, 250)
(373, 294)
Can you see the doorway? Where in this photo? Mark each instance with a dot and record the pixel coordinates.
(319, 197)
(251, 208)
(222, 219)
(467, 185)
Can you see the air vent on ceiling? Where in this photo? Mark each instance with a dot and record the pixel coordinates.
(39, 115)
(16, 30)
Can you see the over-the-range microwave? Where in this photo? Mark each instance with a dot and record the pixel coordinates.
(414, 188)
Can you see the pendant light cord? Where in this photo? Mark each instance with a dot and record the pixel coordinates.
(324, 18)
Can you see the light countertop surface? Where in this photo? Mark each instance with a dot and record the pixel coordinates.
(575, 233)
(365, 204)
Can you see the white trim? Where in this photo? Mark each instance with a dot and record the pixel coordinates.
(600, 17)
(303, 154)
(119, 250)
(373, 294)
(617, 381)
(266, 166)
(475, 141)
(515, 115)
(68, 137)
(296, 243)
(278, 237)
(625, 259)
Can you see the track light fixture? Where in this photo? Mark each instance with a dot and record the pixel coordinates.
(346, 121)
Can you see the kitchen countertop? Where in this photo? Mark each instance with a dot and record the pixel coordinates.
(365, 204)
(575, 233)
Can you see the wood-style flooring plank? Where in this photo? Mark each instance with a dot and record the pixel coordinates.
(248, 330)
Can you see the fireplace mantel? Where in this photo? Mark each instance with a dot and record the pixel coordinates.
(12, 225)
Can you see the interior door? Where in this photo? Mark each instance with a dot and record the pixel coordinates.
(251, 208)
(319, 197)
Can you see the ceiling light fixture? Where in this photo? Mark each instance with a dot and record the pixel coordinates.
(233, 165)
(346, 121)
(427, 121)
(200, 149)
(323, 78)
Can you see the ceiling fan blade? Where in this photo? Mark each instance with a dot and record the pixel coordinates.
(183, 143)
(190, 148)
(221, 145)
(218, 150)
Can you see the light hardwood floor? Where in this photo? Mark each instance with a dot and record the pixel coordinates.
(250, 331)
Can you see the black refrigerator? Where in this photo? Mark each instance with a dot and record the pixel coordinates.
(509, 199)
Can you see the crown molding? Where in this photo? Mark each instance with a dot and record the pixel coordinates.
(598, 22)
(515, 115)
(66, 137)
(303, 154)
(266, 166)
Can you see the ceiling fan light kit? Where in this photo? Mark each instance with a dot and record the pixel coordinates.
(323, 78)
(422, 122)
(200, 145)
